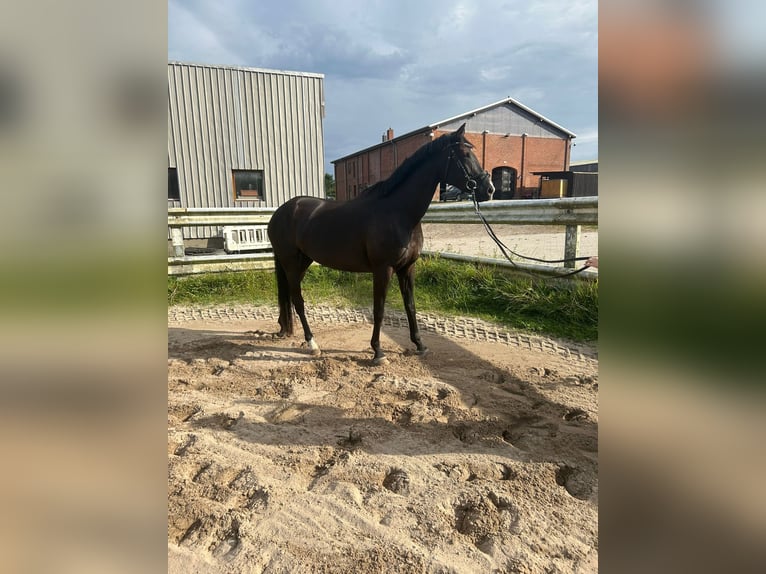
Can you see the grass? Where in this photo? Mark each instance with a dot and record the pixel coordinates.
(256, 287)
(556, 308)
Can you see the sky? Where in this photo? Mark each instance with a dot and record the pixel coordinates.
(405, 64)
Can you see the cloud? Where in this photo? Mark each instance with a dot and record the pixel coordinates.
(337, 54)
(193, 37)
(588, 137)
(403, 64)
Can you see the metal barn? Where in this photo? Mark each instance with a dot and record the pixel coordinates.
(242, 137)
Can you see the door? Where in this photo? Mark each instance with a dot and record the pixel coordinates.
(504, 180)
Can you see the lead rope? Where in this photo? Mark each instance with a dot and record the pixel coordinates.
(504, 249)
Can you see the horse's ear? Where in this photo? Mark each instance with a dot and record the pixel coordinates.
(460, 137)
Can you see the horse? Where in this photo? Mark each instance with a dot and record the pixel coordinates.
(376, 232)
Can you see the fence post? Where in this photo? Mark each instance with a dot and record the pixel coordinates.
(177, 238)
(571, 244)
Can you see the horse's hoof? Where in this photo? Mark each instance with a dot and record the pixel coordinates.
(315, 350)
(382, 360)
(422, 351)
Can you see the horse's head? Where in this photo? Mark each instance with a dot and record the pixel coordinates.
(465, 171)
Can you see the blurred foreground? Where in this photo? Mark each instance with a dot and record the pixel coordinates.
(682, 275)
(83, 392)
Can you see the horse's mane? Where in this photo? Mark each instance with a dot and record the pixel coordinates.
(387, 186)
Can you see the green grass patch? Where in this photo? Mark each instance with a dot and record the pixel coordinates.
(254, 287)
(561, 308)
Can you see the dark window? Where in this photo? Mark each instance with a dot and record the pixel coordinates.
(504, 180)
(173, 191)
(248, 184)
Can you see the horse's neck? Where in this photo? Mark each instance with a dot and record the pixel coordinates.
(421, 185)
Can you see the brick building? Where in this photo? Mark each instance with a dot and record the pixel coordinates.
(511, 142)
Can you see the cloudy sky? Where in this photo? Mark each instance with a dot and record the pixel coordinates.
(407, 63)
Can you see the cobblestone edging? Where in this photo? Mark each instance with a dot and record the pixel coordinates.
(453, 327)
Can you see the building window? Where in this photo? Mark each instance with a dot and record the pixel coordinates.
(173, 191)
(504, 180)
(248, 184)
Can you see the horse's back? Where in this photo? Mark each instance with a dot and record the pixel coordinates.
(291, 208)
(284, 223)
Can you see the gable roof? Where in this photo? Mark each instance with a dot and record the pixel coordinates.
(503, 102)
(467, 115)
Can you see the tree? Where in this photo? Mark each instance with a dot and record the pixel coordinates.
(329, 186)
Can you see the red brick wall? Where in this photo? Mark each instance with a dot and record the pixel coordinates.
(492, 150)
(362, 170)
(543, 154)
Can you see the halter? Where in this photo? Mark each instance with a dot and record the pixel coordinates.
(470, 183)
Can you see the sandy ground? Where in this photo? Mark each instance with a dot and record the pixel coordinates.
(480, 456)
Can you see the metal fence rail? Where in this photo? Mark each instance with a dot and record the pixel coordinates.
(571, 212)
(564, 211)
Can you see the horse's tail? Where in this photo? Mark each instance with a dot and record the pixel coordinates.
(285, 305)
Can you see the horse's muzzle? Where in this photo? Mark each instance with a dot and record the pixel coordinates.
(486, 188)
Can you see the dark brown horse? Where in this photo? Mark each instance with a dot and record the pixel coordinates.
(378, 232)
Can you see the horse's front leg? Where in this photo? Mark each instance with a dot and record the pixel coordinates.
(380, 280)
(407, 287)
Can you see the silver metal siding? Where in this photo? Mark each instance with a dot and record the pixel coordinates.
(171, 136)
(506, 119)
(222, 118)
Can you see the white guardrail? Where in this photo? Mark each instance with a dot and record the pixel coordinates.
(571, 212)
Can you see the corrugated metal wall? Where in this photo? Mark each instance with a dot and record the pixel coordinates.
(225, 118)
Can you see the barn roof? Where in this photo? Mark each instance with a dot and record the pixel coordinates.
(467, 115)
(495, 105)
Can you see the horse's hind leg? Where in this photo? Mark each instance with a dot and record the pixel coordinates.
(407, 287)
(296, 295)
(285, 305)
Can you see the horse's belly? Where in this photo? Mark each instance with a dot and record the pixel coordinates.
(342, 261)
(341, 256)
